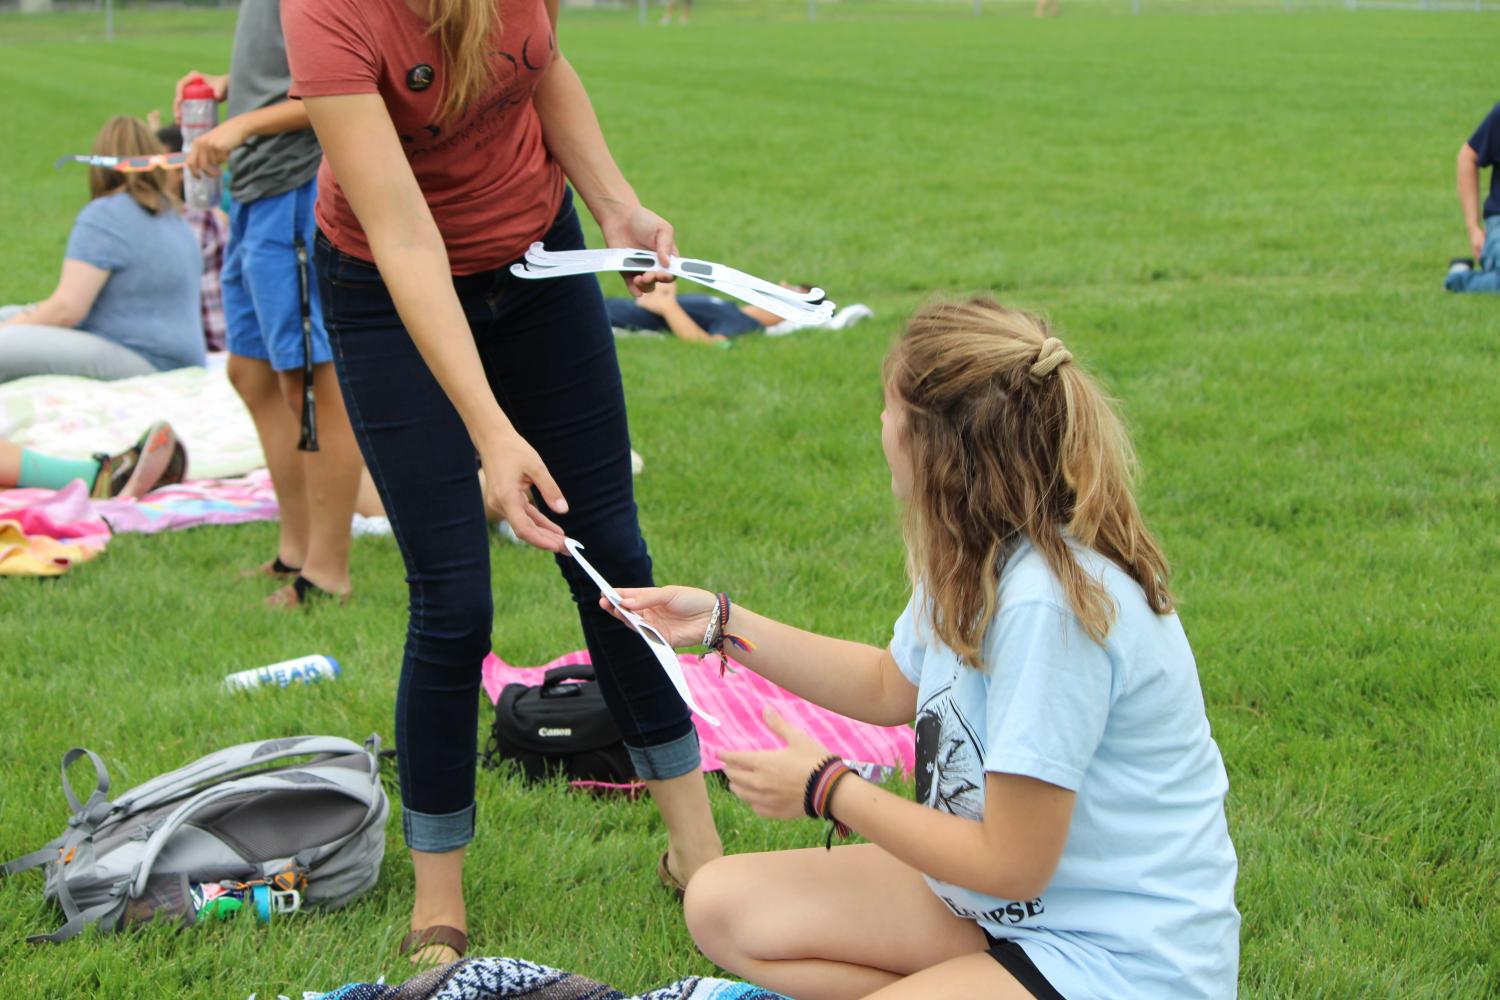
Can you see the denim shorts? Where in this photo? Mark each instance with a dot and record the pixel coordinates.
(262, 280)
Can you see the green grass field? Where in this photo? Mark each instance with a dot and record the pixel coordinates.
(1239, 222)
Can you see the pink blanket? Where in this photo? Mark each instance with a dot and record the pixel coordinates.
(69, 513)
(737, 699)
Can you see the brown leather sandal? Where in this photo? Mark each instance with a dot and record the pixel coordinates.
(438, 934)
(674, 885)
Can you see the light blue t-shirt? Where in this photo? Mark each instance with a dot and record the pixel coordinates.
(150, 303)
(1142, 903)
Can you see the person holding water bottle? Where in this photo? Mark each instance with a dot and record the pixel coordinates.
(452, 129)
(274, 340)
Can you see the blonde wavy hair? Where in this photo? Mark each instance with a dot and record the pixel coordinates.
(126, 136)
(1009, 439)
(465, 30)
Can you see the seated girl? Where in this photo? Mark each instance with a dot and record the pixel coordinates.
(127, 301)
(1068, 838)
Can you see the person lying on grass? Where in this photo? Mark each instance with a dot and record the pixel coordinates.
(707, 319)
(1068, 837)
(157, 458)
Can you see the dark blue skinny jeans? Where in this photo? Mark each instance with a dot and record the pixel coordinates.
(549, 355)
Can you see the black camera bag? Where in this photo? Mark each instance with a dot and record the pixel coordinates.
(559, 727)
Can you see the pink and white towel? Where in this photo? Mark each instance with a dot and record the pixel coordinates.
(737, 699)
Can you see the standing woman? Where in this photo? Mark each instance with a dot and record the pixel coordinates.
(450, 129)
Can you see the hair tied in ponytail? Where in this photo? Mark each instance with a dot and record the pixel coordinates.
(1051, 357)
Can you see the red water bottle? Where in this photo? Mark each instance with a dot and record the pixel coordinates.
(200, 113)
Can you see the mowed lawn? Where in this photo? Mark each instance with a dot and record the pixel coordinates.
(1239, 222)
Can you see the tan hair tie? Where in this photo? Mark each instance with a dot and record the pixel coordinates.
(1051, 357)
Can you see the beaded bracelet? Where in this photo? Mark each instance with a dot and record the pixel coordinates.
(819, 793)
(715, 635)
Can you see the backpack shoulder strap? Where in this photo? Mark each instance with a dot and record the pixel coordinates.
(85, 815)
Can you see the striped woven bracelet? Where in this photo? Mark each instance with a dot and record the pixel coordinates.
(820, 785)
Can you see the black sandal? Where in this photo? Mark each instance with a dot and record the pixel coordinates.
(275, 569)
(302, 592)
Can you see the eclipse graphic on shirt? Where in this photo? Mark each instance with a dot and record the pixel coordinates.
(950, 758)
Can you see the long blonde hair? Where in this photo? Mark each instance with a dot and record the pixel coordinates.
(1009, 438)
(465, 29)
(126, 136)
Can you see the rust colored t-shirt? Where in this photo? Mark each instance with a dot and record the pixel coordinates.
(491, 184)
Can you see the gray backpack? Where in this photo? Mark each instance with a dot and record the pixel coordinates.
(315, 828)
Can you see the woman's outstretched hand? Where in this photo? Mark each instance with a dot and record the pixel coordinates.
(641, 228)
(680, 614)
(511, 469)
(773, 782)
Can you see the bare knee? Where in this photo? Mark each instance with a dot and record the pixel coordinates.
(253, 379)
(718, 893)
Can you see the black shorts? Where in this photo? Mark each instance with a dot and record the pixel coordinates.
(1013, 958)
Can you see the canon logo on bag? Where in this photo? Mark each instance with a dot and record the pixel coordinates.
(554, 732)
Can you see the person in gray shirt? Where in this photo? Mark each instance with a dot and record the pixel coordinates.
(127, 301)
(273, 159)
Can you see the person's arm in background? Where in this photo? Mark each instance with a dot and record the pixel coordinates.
(662, 301)
(1468, 196)
(212, 149)
(70, 303)
(571, 132)
(361, 145)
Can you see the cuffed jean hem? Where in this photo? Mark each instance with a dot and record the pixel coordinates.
(436, 834)
(666, 760)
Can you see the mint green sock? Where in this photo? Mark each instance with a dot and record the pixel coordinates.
(54, 473)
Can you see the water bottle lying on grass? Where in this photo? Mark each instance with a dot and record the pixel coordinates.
(303, 670)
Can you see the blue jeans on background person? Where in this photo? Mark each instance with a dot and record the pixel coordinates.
(1485, 277)
(549, 355)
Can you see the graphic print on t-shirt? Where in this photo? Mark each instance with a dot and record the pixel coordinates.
(512, 88)
(950, 777)
(950, 756)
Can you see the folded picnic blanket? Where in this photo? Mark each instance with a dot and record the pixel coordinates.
(737, 699)
(497, 978)
(76, 417)
(23, 554)
(48, 537)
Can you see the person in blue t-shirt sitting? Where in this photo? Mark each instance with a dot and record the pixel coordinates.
(127, 302)
(696, 318)
(1482, 272)
(1068, 837)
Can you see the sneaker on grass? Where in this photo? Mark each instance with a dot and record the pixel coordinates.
(142, 467)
